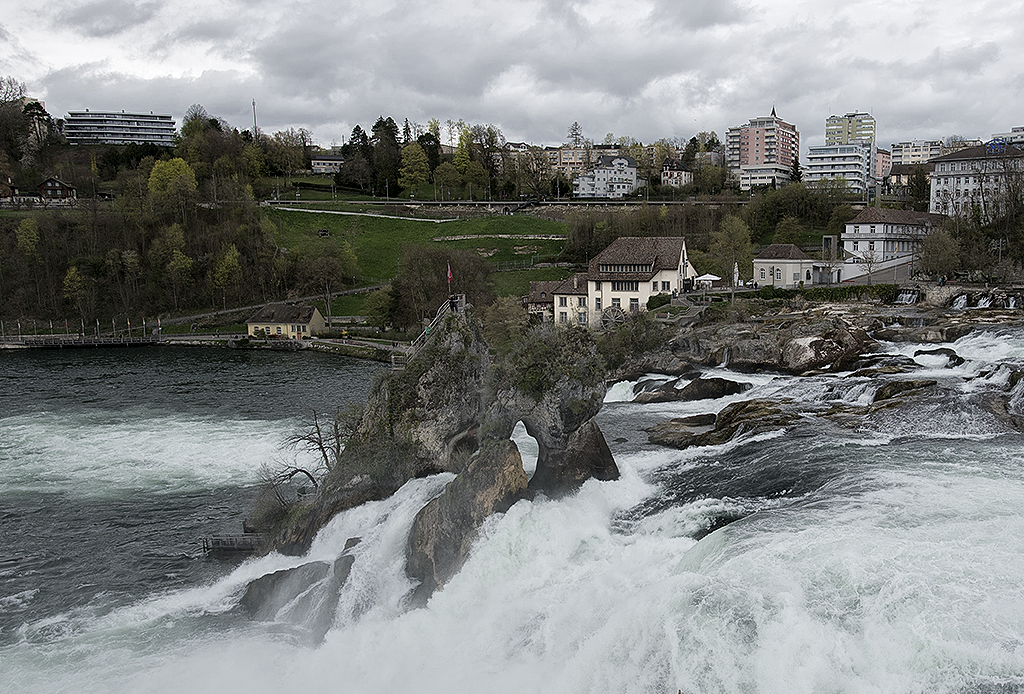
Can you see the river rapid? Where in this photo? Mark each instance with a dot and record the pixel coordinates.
(879, 554)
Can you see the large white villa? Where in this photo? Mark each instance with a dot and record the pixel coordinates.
(622, 278)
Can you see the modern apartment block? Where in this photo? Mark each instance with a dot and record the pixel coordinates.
(915, 151)
(854, 162)
(850, 128)
(1014, 137)
(118, 128)
(769, 144)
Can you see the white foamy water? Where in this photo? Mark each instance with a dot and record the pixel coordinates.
(106, 453)
(880, 558)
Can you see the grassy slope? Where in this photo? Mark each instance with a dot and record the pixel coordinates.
(378, 242)
(378, 245)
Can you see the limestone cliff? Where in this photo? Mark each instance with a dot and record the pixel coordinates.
(453, 409)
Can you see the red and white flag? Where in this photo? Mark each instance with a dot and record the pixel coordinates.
(449, 273)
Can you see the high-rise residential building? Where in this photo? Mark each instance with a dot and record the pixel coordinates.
(850, 128)
(854, 162)
(883, 163)
(767, 147)
(915, 151)
(118, 128)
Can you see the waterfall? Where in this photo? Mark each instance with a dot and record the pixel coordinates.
(960, 303)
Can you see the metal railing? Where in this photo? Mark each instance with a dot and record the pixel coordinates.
(456, 303)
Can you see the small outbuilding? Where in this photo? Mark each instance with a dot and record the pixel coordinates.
(783, 265)
(285, 321)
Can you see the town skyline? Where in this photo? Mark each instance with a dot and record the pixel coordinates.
(647, 70)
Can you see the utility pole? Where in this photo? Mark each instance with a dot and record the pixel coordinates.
(255, 131)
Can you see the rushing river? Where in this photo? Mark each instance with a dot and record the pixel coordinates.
(880, 554)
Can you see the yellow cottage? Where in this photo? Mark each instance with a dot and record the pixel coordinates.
(286, 322)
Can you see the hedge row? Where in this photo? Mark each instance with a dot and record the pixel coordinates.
(886, 293)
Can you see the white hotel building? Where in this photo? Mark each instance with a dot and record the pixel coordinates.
(118, 128)
(976, 178)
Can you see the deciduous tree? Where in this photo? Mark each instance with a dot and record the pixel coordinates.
(940, 254)
(789, 230)
(730, 245)
(415, 166)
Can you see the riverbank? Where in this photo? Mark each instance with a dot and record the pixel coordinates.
(348, 347)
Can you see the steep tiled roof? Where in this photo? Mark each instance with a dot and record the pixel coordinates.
(282, 313)
(577, 284)
(661, 251)
(608, 159)
(542, 291)
(979, 152)
(909, 169)
(782, 251)
(880, 215)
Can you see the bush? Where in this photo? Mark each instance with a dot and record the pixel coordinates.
(657, 301)
(549, 352)
(882, 292)
(641, 333)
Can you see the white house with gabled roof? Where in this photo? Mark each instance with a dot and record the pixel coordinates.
(623, 277)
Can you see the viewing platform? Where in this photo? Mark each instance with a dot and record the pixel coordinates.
(74, 342)
(246, 542)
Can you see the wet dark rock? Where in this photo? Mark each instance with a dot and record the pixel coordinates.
(444, 530)
(795, 345)
(662, 361)
(711, 388)
(306, 596)
(585, 456)
(697, 389)
(266, 595)
(952, 358)
(748, 416)
(894, 388)
(649, 385)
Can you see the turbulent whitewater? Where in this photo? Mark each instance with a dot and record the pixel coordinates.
(883, 555)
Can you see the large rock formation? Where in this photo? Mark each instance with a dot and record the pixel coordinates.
(444, 530)
(794, 344)
(453, 409)
(557, 401)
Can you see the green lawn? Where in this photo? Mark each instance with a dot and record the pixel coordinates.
(378, 245)
(378, 242)
(517, 282)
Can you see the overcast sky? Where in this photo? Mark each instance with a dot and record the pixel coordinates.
(644, 68)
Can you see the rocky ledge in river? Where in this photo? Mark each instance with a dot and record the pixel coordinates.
(803, 338)
(453, 409)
